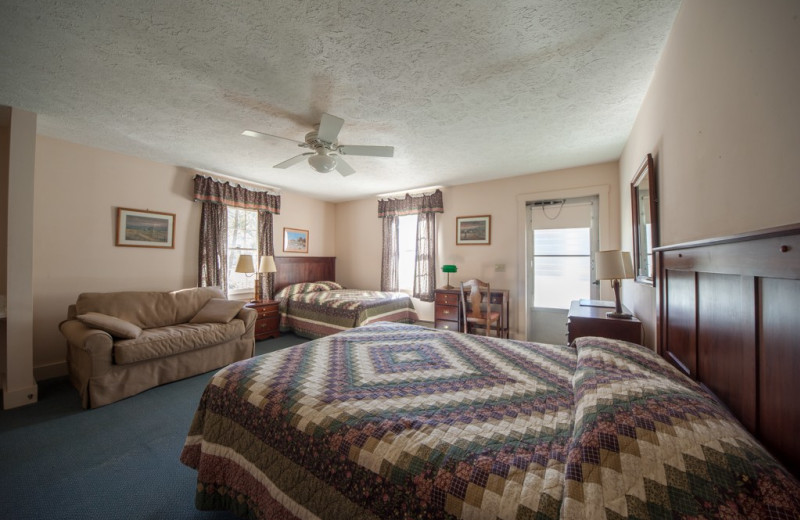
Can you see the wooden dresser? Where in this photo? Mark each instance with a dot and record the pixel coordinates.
(584, 320)
(268, 319)
(447, 313)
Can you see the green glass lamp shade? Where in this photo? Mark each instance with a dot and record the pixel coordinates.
(449, 269)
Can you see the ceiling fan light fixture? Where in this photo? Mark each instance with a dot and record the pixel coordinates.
(322, 162)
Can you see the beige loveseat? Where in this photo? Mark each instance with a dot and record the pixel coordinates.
(122, 343)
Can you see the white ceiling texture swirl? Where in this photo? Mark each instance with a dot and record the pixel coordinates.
(465, 90)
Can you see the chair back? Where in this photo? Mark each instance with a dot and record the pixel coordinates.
(473, 291)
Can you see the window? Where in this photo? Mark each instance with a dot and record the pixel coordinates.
(242, 240)
(407, 254)
(562, 266)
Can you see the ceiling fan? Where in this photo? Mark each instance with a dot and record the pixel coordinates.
(327, 152)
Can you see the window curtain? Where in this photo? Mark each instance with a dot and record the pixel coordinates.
(266, 248)
(213, 268)
(425, 207)
(390, 254)
(425, 264)
(216, 196)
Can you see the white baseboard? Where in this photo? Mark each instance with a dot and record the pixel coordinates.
(19, 397)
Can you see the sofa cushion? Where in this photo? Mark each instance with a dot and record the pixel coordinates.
(149, 309)
(165, 341)
(218, 310)
(114, 326)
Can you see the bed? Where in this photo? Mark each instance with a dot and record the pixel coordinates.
(316, 309)
(312, 305)
(401, 421)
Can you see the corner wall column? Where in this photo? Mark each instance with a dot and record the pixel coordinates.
(19, 385)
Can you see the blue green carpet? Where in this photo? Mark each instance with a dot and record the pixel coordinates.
(118, 461)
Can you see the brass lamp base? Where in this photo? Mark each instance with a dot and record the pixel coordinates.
(619, 315)
(447, 287)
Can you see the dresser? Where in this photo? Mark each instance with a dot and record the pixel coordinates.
(447, 311)
(268, 319)
(584, 320)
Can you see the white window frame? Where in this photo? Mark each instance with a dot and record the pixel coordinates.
(249, 289)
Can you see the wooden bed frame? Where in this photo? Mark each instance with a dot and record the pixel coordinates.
(729, 318)
(298, 269)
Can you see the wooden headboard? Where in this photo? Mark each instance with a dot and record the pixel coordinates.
(729, 317)
(298, 269)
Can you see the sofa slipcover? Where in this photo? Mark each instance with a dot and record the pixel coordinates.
(106, 369)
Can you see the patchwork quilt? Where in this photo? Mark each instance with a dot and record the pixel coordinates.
(313, 310)
(399, 421)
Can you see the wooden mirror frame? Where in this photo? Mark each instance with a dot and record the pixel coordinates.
(645, 174)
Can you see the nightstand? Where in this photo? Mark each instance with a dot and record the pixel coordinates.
(268, 319)
(445, 309)
(583, 320)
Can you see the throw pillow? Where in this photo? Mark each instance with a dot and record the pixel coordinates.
(218, 310)
(115, 326)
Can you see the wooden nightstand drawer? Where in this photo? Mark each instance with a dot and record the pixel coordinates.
(446, 299)
(446, 325)
(268, 319)
(446, 312)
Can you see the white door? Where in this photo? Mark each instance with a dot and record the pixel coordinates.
(563, 237)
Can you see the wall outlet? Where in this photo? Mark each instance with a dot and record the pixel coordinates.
(499, 268)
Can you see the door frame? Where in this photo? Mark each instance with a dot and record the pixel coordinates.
(609, 238)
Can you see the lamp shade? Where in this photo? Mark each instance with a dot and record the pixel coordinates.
(613, 265)
(449, 269)
(267, 265)
(245, 264)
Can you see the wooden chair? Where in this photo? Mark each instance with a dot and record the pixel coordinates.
(480, 313)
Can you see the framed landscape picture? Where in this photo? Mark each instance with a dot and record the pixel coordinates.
(475, 230)
(145, 228)
(295, 240)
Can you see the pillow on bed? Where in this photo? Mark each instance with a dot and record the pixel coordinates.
(115, 326)
(306, 287)
(648, 439)
(327, 286)
(218, 310)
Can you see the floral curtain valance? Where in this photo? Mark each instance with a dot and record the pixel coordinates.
(411, 205)
(207, 189)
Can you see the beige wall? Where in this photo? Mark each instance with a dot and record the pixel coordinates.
(721, 120)
(358, 237)
(78, 190)
(315, 216)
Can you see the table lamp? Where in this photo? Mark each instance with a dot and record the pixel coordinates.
(245, 265)
(265, 266)
(449, 269)
(614, 266)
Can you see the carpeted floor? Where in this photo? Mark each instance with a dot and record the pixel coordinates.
(119, 461)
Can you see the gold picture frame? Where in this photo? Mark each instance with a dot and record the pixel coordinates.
(145, 228)
(295, 240)
(474, 230)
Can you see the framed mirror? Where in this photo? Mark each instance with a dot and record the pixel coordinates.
(644, 204)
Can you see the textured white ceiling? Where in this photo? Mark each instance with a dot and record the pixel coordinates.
(464, 90)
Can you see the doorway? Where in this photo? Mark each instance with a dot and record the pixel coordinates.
(564, 235)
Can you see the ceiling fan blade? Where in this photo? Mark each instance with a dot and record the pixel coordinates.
(329, 128)
(294, 160)
(375, 151)
(343, 168)
(260, 135)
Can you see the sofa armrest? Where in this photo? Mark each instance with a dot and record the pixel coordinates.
(93, 346)
(248, 316)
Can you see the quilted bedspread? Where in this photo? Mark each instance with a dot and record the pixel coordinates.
(400, 421)
(322, 313)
